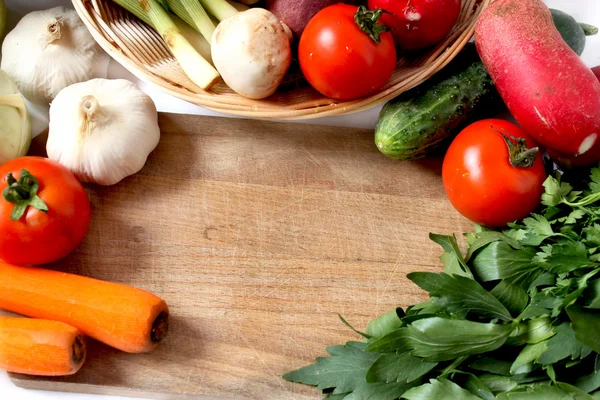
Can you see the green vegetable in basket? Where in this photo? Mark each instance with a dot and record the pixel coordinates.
(516, 317)
(195, 66)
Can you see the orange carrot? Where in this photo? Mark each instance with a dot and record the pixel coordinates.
(40, 347)
(126, 318)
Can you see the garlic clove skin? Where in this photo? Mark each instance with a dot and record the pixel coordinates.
(49, 50)
(102, 130)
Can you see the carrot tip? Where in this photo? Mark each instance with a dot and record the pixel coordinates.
(160, 327)
(79, 349)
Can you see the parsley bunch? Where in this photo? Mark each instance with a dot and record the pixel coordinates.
(517, 317)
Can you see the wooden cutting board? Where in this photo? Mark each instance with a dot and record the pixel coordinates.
(257, 234)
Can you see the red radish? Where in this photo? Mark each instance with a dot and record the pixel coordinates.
(418, 24)
(596, 71)
(553, 95)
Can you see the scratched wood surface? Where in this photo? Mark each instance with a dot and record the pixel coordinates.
(256, 234)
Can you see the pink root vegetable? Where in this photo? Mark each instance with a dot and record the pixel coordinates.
(553, 95)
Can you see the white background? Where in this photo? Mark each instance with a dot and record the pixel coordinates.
(583, 10)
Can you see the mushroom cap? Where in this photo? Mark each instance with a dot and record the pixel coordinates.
(252, 52)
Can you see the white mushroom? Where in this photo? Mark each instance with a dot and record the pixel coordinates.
(252, 52)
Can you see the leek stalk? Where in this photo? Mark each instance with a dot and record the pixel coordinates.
(196, 67)
(194, 15)
(220, 9)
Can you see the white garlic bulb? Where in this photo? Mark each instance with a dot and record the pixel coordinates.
(102, 130)
(49, 50)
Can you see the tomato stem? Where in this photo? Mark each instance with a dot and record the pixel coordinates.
(519, 154)
(368, 22)
(23, 193)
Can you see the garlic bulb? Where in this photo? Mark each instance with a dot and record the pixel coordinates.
(102, 130)
(15, 129)
(48, 51)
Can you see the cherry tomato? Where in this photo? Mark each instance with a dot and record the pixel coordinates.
(55, 211)
(480, 179)
(418, 24)
(342, 61)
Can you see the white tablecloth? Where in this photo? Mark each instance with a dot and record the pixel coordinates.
(583, 10)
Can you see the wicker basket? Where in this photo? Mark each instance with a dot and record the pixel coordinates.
(142, 51)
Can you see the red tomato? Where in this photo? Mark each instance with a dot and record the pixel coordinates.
(418, 24)
(480, 180)
(40, 237)
(339, 59)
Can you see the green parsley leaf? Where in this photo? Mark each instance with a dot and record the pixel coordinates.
(401, 368)
(337, 396)
(452, 258)
(562, 345)
(493, 365)
(536, 229)
(528, 355)
(512, 296)
(555, 192)
(480, 240)
(439, 389)
(387, 323)
(592, 234)
(532, 332)
(460, 295)
(474, 385)
(441, 339)
(586, 326)
(594, 184)
(499, 260)
(591, 382)
(564, 257)
(573, 217)
(545, 279)
(543, 391)
(591, 295)
(379, 391)
(498, 383)
(345, 370)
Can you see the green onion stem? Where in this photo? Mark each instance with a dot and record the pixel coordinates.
(194, 15)
(238, 6)
(221, 9)
(196, 67)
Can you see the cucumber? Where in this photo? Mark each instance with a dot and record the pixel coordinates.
(571, 31)
(423, 119)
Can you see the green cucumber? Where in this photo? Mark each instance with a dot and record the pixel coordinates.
(571, 31)
(423, 119)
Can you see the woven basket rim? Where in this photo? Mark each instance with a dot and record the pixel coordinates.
(104, 33)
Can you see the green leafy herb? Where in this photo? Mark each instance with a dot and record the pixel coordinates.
(460, 295)
(345, 370)
(563, 345)
(585, 325)
(516, 318)
(441, 339)
(499, 261)
(452, 258)
(439, 389)
(402, 368)
(385, 324)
